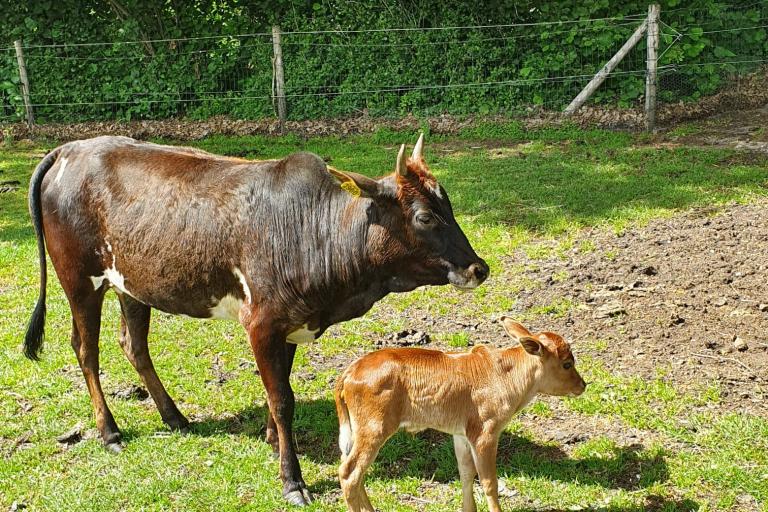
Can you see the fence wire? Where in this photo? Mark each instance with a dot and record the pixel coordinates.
(486, 69)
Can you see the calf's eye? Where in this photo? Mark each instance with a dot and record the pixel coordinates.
(568, 365)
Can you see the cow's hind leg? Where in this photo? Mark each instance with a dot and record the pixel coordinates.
(271, 434)
(134, 328)
(86, 316)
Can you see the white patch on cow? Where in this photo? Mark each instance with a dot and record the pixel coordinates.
(116, 279)
(244, 284)
(111, 275)
(436, 191)
(98, 281)
(61, 170)
(301, 336)
(228, 308)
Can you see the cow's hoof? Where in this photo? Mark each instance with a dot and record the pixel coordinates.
(115, 447)
(299, 497)
(181, 429)
(180, 424)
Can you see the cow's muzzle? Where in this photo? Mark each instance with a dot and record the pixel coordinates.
(470, 277)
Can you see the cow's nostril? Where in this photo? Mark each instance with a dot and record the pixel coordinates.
(479, 271)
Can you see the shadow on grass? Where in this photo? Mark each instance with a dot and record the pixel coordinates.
(429, 455)
(314, 424)
(550, 188)
(652, 503)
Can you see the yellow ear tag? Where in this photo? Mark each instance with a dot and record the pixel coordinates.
(351, 187)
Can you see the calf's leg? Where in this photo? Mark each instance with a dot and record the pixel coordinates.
(269, 350)
(467, 472)
(366, 444)
(134, 328)
(485, 448)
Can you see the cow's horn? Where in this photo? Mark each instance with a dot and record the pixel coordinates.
(418, 147)
(402, 168)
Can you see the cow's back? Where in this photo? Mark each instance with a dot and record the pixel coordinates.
(167, 222)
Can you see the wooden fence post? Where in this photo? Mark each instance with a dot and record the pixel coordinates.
(601, 75)
(24, 84)
(650, 76)
(278, 78)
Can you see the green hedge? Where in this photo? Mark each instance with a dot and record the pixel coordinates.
(325, 73)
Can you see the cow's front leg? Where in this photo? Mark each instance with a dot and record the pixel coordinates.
(269, 347)
(271, 433)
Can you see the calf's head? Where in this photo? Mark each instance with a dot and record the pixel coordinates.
(421, 233)
(558, 374)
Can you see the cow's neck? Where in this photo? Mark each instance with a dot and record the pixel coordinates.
(367, 261)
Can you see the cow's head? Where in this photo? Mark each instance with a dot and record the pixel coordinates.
(428, 245)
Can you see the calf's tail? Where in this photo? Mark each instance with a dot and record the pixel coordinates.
(342, 411)
(33, 340)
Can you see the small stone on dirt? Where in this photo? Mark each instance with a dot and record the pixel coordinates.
(739, 344)
(720, 301)
(71, 436)
(407, 338)
(132, 392)
(567, 437)
(676, 320)
(610, 309)
(763, 307)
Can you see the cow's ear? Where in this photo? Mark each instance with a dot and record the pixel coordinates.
(356, 184)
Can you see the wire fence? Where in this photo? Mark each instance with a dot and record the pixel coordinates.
(513, 69)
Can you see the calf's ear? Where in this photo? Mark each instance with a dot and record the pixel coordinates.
(531, 345)
(516, 330)
(356, 184)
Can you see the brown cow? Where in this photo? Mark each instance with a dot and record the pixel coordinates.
(287, 247)
(469, 395)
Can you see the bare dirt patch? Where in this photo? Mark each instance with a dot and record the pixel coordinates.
(685, 295)
(743, 130)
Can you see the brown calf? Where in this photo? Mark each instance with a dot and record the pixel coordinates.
(469, 395)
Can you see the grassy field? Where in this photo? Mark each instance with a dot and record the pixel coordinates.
(509, 189)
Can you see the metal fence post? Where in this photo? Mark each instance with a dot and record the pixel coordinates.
(650, 77)
(278, 77)
(24, 84)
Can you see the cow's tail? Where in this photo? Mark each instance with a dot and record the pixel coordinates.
(342, 411)
(33, 340)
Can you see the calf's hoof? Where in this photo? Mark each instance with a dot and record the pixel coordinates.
(299, 497)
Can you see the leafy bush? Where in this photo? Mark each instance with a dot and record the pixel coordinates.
(332, 73)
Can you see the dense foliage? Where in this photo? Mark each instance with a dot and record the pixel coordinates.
(197, 63)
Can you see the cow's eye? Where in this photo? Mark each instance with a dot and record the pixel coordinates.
(425, 219)
(568, 365)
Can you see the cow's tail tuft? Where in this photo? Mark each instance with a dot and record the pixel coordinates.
(342, 411)
(33, 340)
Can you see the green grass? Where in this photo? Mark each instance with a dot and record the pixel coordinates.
(511, 190)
